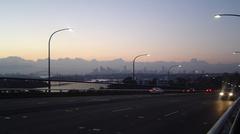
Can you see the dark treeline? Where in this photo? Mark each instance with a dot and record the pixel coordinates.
(11, 83)
(200, 81)
(177, 81)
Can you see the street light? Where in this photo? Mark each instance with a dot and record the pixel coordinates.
(171, 67)
(236, 52)
(134, 60)
(49, 56)
(218, 16)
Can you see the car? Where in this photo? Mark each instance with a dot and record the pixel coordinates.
(209, 90)
(156, 90)
(228, 94)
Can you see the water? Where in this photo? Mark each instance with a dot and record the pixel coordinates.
(76, 86)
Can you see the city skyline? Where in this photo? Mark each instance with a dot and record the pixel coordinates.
(67, 66)
(105, 30)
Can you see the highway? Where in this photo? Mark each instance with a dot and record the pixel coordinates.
(116, 114)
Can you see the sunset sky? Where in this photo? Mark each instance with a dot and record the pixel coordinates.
(168, 30)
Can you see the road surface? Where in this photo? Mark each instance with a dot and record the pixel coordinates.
(123, 114)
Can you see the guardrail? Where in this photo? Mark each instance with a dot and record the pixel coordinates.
(29, 93)
(75, 90)
(229, 122)
(38, 88)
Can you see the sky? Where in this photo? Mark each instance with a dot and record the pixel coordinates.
(168, 30)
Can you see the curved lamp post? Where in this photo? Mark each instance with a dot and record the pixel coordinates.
(49, 56)
(236, 52)
(217, 16)
(134, 60)
(171, 67)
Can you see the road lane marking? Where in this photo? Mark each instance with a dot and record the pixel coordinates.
(140, 117)
(81, 127)
(122, 109)
(24, 116)
(7, 118)
(96, 129)
(172, 113)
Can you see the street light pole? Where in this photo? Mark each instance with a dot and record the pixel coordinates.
(49, 55)
(134, 60)
(171, 67)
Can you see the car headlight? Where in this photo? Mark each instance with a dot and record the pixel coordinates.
(221, 93)
(230, 94)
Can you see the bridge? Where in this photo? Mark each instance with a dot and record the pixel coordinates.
(132, 112)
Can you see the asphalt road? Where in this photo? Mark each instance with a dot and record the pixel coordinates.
(125, 114)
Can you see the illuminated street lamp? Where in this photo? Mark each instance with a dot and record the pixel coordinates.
(236, 52)
(171, 67)
(49, 56)
(218, 16)
(134, 60)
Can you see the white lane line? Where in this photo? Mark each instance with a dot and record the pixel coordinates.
(24, 117)
(172, 113)
(96, 129)
(122, 109)
(140, 117)
(7, 118)
(81, 127)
